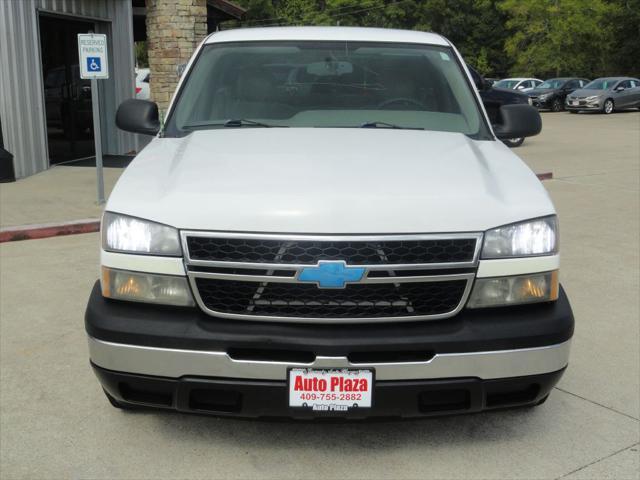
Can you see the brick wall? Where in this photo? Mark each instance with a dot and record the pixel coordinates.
(174, 30)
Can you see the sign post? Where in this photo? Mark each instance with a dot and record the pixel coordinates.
(94, 65)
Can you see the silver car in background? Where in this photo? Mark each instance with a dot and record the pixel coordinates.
(606, 95)
(521, 84)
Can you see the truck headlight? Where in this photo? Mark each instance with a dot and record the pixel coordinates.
(121, 233)
(504, 291)
(530, 238)
(146, 287)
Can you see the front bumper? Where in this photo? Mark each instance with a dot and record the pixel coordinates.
(585, 106)
(268, 398)
(542, 104)
(159, 356)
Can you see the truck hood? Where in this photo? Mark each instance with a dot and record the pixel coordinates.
(318, 180)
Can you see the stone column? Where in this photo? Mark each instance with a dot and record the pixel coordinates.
(174, 29)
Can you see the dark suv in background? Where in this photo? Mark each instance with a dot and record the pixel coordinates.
(551, 94)
(493, 98)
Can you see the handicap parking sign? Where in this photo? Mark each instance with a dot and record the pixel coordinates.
(93, 64)
(94, 59)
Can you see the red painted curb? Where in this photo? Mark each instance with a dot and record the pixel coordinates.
(545, 176)
(32, 232)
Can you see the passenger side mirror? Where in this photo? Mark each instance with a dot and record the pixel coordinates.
(138, 116)
(180, 69)
(518, 120)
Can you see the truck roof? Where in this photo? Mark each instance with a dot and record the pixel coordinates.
(354, 34)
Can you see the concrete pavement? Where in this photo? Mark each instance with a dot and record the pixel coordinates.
(55, 421)
(61, 194)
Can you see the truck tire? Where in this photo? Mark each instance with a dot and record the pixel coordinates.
(117, 404)
(539, 402)
(513, 142)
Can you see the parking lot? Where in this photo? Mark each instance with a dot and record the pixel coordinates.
(56, 422)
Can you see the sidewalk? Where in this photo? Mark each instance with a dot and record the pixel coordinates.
(58, 195)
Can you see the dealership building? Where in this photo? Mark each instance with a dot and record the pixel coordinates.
(45, 108)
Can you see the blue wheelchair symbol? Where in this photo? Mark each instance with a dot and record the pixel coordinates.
(94, 64)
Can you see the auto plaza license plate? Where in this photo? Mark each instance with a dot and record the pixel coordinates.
(330, 390)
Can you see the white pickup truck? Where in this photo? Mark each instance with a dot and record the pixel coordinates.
(326, 224)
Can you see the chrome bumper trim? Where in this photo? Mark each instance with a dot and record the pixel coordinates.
(174, 363)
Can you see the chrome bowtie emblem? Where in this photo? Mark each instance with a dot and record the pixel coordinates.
(331, 274)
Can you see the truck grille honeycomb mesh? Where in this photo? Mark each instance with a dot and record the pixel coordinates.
(287, 252)
(308, 301)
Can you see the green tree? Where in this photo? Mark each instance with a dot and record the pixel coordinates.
(625, 52)
(475, 26)
(559, 37)
(142, 55)
(257, 11)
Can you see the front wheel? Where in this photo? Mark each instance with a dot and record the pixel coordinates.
(608, 106)
(513, 142)
(556, 105)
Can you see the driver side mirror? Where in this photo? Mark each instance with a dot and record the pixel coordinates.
(618, 89)
(518, 120)
(138, 116)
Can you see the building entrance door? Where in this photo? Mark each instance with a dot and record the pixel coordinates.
(67, 97)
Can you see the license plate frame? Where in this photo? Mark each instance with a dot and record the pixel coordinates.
(328, 401)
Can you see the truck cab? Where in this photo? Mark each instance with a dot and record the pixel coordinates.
(327, 224)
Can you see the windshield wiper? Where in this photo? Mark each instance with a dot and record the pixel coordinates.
(241, 122)
(387, 125)
(233, 123)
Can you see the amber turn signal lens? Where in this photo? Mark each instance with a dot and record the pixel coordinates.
(501, 291)
(146, 287)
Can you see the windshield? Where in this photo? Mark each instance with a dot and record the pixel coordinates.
(553, 83)
(509, 84)
(326, 84)
(601, 84)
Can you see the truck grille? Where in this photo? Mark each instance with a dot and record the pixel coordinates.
(352, 252)
(404, 277)
(308, 301)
